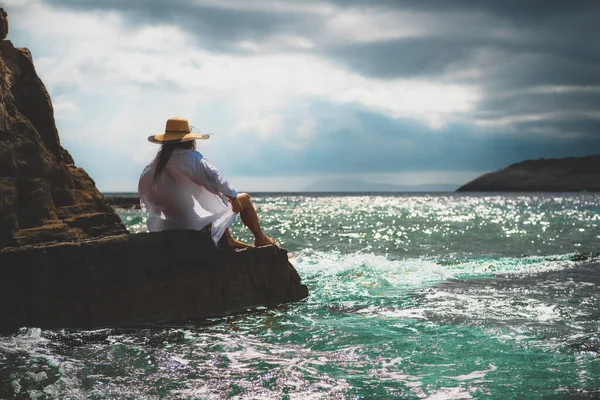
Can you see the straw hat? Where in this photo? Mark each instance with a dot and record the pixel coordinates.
(177, 130)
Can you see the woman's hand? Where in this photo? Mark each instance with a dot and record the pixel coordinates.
(235, 204)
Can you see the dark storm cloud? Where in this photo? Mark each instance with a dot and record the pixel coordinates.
(543, 71)
(553, 39)
(511, 50)
(215, 27)
(455, 29)
(576, 102)
(411, 57)
(542, 44)
(521, 11)
(503, 64)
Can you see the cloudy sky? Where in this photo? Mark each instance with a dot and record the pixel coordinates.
(398, 92)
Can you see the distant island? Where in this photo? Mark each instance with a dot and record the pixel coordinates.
(572, 174)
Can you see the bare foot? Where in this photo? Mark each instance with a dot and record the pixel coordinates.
(233, 243)
(236, 244)
(265, 241)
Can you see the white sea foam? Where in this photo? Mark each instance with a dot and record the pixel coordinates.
(32, 343)
(378, 272)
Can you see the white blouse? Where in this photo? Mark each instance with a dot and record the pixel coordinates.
(188, 194)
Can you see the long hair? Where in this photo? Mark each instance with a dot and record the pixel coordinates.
(166, 151)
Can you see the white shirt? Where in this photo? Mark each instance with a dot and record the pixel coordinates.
(188, 194)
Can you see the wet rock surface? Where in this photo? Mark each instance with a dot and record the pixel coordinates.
(573, 174)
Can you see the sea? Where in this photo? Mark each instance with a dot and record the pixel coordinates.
(412, 296)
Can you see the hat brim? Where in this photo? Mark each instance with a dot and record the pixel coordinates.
(162, 138)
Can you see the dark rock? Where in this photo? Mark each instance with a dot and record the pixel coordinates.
(573, 174)
(139, 279)
(3, 24)
(43, 196)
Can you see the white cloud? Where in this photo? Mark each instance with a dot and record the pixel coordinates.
(248, 45)
(491, 120)
(294, 41)
(108, 56)
(434, 104)
(267, 126)
(374, 25)
(306, 129)
(63, 108)
(549, 89)
(18, 3)
(276, 43)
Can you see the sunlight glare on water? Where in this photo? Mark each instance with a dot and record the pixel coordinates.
(411, 296)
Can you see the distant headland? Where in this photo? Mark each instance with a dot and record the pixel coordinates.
(572, 174)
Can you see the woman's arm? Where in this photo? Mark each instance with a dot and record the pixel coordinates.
(218, 184)
(235, 204)
(216, 180)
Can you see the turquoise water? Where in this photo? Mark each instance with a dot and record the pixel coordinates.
(411, 296)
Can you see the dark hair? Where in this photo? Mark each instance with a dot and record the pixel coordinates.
(166, 150)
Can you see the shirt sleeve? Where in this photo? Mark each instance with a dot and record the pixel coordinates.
(214, 179)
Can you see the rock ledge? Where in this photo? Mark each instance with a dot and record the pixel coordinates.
(139, 279)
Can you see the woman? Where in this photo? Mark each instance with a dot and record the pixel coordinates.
(182, 190)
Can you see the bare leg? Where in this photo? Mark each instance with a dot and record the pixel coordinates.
(250, 219)
(232, 242)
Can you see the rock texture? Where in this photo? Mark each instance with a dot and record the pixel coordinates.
(3, 24)
(573, 174)
(67, 260)
(139, 279)
(44, 197)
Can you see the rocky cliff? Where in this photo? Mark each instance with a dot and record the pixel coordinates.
(44, 197)
(573, 174)
(66, 258)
